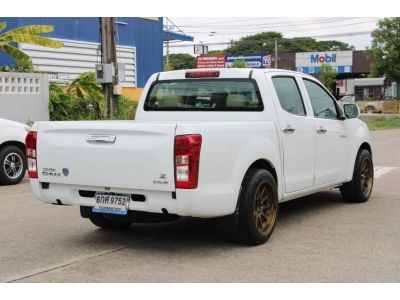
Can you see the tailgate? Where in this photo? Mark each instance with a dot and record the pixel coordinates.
(107, 154)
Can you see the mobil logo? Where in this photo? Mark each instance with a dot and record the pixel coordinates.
(318, 58)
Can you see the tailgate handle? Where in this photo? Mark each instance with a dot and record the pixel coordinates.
(101, 139)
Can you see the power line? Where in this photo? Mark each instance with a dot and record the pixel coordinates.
(285, 30)
(175, 26)
(265, 23)
(267, 41)
(274, 24)
(231, 21)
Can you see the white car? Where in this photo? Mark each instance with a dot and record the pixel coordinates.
(227, 143)
(12, 151)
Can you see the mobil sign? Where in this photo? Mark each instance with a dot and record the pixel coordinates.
(310, 62)
(321, 59)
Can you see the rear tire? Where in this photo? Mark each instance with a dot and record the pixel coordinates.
(257, 208)
(360, 187)
(12, 165)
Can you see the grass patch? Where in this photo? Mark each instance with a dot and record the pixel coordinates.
(384, 123)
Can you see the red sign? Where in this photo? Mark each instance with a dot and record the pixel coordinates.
(210, 61)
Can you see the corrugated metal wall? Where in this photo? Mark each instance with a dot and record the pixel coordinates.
(75, 58)
(144, 34)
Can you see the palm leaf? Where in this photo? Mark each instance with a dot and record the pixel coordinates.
(31, 39)
(15, 52)
(2, 26)
(31, 29)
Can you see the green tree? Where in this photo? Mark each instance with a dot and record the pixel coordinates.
(239, 64)
(180, 61)
(23, 65)
(85, 88)
(212, 52)
(83, 99)
(167, 67)
(260, 42)
(327, 75)
(385, 49)
(265, 42)
(27, 34)
(60, 104)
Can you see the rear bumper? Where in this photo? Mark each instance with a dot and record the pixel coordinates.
(194, 203)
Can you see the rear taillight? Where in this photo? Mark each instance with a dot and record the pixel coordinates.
(30, 145)
(187, 158)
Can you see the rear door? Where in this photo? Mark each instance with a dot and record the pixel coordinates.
(332, 138)
(108, 154)
(297, 131)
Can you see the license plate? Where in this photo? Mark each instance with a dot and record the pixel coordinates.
(111, 204)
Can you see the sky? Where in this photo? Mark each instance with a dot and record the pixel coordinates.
(219, 30)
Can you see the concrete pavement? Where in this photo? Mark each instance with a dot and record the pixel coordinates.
(318, 238)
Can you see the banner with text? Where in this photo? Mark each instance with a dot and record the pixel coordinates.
(258, 60)
(210, 61)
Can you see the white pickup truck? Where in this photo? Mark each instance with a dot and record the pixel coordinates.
(206, 143)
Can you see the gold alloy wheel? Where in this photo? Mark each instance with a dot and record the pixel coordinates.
(264, 208)
(366, 177)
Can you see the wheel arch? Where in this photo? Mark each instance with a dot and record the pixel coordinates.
(18, 144)
(266, 165)
(365, 146)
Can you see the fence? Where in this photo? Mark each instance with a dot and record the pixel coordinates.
(24, 97)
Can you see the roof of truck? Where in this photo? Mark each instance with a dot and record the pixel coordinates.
(224, 73)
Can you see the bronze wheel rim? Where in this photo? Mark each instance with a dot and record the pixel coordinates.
(366, 177)
(264, 208)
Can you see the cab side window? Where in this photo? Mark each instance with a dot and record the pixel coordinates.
(322, 103)
(289, 95)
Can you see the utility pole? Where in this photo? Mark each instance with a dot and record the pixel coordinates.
(109, 56)
(276, 53)
(167, 57)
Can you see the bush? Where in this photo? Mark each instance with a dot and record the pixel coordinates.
(126, 108)
(82, 100)
(64, 106)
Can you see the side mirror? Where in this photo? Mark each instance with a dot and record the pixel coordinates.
(351, 111)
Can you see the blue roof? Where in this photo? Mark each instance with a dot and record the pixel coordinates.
(175, 36)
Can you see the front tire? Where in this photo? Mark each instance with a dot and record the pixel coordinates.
(12, 165)
(360, 187)
(257, 208)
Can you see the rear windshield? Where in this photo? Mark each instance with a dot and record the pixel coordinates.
(204, 95)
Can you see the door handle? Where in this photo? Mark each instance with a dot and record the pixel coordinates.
(100, 139)
(321, 130)
(288, 129)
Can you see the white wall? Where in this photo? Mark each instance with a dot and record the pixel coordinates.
(24, 97)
